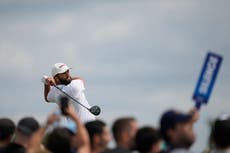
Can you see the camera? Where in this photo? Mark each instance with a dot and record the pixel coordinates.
(64, 102)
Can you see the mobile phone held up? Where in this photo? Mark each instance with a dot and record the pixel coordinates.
(64, 102)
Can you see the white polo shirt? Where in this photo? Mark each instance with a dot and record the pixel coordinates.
(74, 89)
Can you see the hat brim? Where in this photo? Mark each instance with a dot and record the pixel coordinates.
(183, 118)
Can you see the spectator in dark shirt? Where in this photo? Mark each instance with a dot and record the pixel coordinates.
(7, 128)
(221, 134)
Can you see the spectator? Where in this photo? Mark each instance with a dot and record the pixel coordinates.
(148, 140)
(177, 130)
(7, 128)
(35, 145)
(60, 139)
(25, 129)
(124, 130)
(221, 134)
(99, 135)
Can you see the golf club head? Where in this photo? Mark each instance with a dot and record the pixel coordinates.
(95, 110)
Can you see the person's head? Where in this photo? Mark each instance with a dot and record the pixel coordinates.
(27, 126)
(177, 128)
(148, 140)
(25, 129)
(124, 130)
(7, 128)
(221, 132)
(60, 73)
(59, 140)
(99, 134)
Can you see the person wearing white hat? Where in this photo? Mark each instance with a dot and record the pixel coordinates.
(73, 86)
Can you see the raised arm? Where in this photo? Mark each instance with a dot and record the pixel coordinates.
(48, 82)
(35, 141)
(81, 136)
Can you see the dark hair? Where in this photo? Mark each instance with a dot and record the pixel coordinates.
(7, 128)
(221, 133)
(14, 148)
(59, 140)
(121, 125)
(94, 128)
(27, 126)
(145, 138)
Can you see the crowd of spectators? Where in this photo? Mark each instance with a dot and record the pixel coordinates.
(174, 135)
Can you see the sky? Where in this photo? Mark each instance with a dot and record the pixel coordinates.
(138, 58)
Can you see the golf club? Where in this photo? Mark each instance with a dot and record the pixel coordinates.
(95, 110)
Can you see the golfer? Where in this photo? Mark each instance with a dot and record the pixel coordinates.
(73, 86)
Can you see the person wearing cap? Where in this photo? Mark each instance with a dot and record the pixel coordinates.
(177, 130)
(73, 86)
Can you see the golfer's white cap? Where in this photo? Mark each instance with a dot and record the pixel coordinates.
(59, 68)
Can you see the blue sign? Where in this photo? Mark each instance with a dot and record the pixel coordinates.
(207, 78)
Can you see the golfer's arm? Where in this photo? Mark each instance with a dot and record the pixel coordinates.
(46, 91)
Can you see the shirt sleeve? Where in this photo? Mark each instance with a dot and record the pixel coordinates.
(52, 95)
(77, 87)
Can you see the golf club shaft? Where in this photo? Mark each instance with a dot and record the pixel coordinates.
(70, 97)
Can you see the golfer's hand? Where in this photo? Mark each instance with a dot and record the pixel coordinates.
(50, 81)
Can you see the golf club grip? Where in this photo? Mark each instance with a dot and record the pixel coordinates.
(198, 105)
